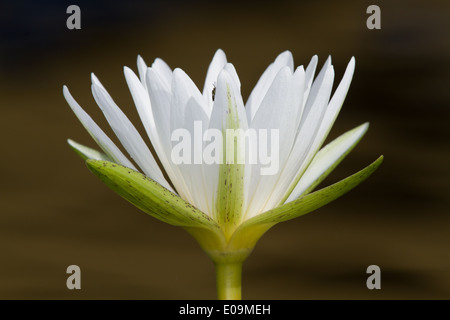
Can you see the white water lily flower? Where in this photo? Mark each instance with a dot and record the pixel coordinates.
(225, 206)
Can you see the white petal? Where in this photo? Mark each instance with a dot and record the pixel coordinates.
(285, 59)
(278, 111)
(193, 172)
(298, 85)
(220, 111)
(264, 82)
(326, 160)
(160, 97)
(329, 117)
(142, 69)
(88, 153)
(331, 113)
(309, 76)
(302, 151)
(232, 71)
(217, 64)
(184, 90)
(164, 71)
(315, 89)
(336, 102)
(127, 134)
(96, 133)
(142, 101)
(158, 115)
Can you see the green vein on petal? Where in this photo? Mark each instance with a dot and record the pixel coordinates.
(230, 196)
(87, 153)
(249, 232)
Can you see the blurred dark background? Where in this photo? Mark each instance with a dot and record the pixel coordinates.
(55, 213)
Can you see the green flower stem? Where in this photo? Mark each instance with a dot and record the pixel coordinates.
(228, 276)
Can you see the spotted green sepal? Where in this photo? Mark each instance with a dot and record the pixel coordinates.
(251, 230)
(150, 196)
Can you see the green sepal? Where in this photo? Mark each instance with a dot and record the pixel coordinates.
(150, 196)
(248, 233)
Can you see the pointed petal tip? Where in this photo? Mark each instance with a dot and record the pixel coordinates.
(300, 69)
(94, 79)
(360, 130)
(364, 126)
(67, 95)
(179, 73)
(224, 75)
(286, 70)
(220, 52)
(351, 65)
(128, 72)
(286, 52)
(140, 62)
(330, 70)
(151, 75)
(73, 144)
(286, 58)
(157, 60)
(148, 72)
